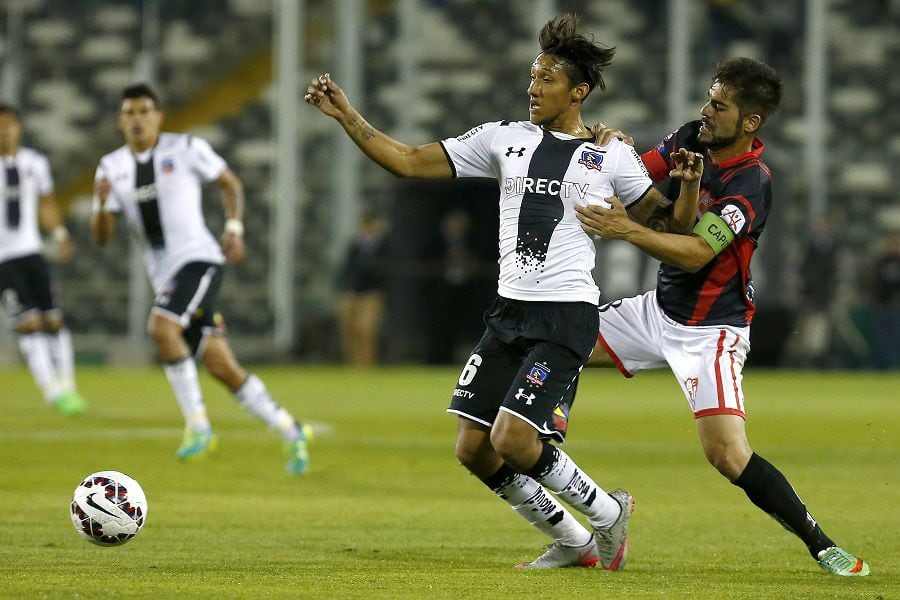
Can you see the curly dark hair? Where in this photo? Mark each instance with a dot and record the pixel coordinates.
(583, 60)
(755, 85)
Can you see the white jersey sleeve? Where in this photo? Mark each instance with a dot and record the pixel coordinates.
(204, 160)
(631, 180)
(470, 154)
(44, 175)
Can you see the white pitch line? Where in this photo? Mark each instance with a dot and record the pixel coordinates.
(68, 435)
(320, 430)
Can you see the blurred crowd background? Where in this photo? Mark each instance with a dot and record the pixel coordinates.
(420, 258)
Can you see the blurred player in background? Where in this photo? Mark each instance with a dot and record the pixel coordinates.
(697, 321)
(27, 204)
(360, 301)
(515, 391)
(156, 181)
(884, 287)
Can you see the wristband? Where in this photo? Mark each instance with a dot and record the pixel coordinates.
(60, 234)
(714, 230)
(234, 227)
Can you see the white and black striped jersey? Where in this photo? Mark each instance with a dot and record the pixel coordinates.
(544, 253)
(160, 193)
(24, 179)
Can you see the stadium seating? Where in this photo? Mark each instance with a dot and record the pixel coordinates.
(78, 55)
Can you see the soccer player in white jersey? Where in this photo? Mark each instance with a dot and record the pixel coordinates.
(27, 202)
(155, 180)
(516, 389)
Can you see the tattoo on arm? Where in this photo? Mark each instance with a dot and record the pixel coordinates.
(364, 130)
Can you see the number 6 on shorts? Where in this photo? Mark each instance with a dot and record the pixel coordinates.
(470, 370)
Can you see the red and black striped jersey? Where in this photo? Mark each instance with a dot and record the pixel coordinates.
(738, 190)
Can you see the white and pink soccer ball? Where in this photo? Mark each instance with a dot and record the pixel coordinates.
(108, 508)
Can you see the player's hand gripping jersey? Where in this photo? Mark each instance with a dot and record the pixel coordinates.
(544, 253)
(24, 179)
(738, 192)
(160, 194)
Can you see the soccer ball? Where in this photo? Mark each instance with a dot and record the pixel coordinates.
(108, 508)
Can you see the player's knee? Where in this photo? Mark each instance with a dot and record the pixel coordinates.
(467, 455)
(53, 325)
(166, 336)
(157, 331)
(480, 460)
(29, 325)
(513, 448)
(727, 459)
(718, 461)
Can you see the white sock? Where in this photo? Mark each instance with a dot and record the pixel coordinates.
(60, 345)
(255, 398)
(185, 383)
(565, 479)
(538, 507)
(36, 351)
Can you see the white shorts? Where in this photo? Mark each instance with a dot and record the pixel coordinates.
(707, 360)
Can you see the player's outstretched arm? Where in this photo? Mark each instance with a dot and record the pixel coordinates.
(402, 160)
(103, 221)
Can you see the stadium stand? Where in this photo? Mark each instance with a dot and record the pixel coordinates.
(78, 55)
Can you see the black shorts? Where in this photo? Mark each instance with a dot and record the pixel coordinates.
(25, 286)
(189, 299)
(527, 363)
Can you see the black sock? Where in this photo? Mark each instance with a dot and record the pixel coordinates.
(544, 462)
(499, 479)
(768, 489)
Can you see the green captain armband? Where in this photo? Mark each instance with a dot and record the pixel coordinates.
(713, 229)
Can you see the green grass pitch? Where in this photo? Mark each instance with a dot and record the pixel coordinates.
(386, 512)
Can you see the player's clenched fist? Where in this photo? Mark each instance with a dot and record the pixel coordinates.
(326, 95)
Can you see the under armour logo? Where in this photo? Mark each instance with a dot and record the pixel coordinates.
(510, 151)
(528, 398)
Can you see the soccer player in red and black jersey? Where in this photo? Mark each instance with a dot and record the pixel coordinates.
(697, 319)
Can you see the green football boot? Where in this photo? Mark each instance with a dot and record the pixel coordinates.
(197, 444)
(69, 403)
(838, 561)
(297, 452)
